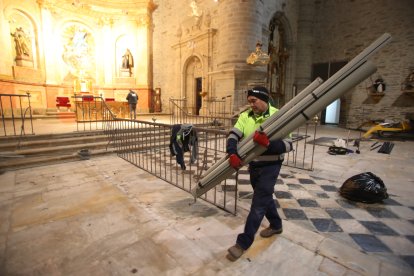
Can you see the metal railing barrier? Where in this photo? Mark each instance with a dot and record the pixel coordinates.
(217, 120)
(16, 114)
(147, 145)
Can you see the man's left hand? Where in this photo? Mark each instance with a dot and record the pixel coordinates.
(261, 138)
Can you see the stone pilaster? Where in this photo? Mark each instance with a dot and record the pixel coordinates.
(305, 44)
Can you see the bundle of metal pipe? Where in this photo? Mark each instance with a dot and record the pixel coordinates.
(312, 100)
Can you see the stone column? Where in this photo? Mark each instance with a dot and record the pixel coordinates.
(239, 28)
(106, 70)
(305, 44)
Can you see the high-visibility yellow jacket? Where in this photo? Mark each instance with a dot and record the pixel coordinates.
(247, 123)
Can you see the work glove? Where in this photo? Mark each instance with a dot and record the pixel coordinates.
(261, 138)
(235, 161)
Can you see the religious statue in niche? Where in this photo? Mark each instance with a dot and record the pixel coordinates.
(379, 85)
(128, 62)
(193, 22)
(408, 84)
(195, 11)
(22, 44)
(196, 14)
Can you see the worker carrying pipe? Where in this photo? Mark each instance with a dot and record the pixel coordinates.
(263, 170)
(303, 107)
(261, 131)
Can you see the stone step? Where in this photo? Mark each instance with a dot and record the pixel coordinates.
(6, 139)
(37, 150)
(61, 114)
(20, 152)
(53, 142)
(13, 162)
(52, 155)
(20, 145)
(61, 148)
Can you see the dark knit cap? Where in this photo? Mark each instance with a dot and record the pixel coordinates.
(259, 92)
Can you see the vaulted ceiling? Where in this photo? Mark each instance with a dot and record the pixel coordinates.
(100, 8)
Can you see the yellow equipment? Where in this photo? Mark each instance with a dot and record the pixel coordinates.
(387, 129)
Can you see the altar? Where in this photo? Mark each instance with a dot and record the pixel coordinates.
(90, 108)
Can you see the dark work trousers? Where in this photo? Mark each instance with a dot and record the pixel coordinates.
(263, 180)
(179, 154)
(133, 110)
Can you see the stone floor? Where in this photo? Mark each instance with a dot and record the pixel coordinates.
(104, 216)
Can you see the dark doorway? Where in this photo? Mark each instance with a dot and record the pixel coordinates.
(199, 89)
(330, 115)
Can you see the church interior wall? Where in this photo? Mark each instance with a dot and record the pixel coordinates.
(319, 32)
(223, 34)
(342, 35)
(55, 65)
(185, 37)
(175, 42)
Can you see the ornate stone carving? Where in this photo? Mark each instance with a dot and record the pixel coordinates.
(258, 57)
(78, 53)
(22, 44)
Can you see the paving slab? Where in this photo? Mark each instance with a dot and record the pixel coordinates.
(117, 219)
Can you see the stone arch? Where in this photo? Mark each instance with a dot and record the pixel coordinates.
(280, 52)
(192, 73)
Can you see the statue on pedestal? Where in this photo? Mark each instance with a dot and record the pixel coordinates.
(22, 44)
(127, 62)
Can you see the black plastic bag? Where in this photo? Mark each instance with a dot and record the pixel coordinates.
(365, 187)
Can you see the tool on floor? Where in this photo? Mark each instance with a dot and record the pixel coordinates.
(356, 144)
(375, 146)
(386, 148)
(347, 138)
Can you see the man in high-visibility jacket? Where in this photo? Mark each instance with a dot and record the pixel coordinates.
(263, 170)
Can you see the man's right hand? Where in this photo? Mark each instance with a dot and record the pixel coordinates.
(235, 161)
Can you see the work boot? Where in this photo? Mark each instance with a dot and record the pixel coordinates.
(235, 252)
(268, 232)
